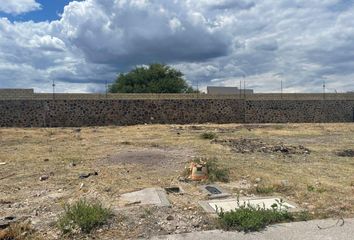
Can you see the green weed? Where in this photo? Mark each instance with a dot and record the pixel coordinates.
(208, 135)
(83, 215)
(248, 218)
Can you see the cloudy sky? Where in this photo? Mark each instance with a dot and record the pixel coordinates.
(83, 44)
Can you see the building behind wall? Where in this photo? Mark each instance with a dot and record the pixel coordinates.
(227, 90)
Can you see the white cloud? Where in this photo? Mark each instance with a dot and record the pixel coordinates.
(212, 42)
(18, 6)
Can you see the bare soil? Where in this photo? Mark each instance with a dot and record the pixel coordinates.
(40, 170)
(245, 145)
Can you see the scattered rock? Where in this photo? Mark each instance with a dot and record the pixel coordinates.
(182, 179)
(77, 130)
(72, 164)
(258, 180)
(245, 145)
(43, 178)
(345, 153)
(284, 183)
(5, 202)
(170, 218)
(87, 175)
(6, 221)
(46, 160)
(2, 163)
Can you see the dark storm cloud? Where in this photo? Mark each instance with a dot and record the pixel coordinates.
(221, 42)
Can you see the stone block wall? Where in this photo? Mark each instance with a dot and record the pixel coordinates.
(299, 111)
(16, 93)
(77, 113)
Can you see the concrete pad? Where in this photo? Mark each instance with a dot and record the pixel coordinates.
(221, 193)
(331, 230)
(231, 204)
(153, 196)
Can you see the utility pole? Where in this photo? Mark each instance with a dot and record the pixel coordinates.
(106, 85)
(324, 89)
(281, 88)
(240, 90)
(244, 88)
(53, 85)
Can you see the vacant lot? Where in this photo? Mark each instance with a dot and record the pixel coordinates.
(309, 164)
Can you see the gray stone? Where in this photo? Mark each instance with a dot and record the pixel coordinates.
(43, 178)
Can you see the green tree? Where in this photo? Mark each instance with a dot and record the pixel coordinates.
(156, 78)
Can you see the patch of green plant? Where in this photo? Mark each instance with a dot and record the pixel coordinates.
(216, 173)
(248, 218)
(83, 215)
(312, 188)
(302, 216)
(264, 189)
(208, 135)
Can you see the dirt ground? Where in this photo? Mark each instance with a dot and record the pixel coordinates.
(299, 162)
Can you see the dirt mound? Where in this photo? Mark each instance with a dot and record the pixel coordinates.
(245, 145)
(345, 153)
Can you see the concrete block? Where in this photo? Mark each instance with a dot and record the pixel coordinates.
(232, 204)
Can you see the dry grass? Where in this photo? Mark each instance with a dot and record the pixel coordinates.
(31, 153)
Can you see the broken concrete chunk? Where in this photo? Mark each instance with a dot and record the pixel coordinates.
(43, 178)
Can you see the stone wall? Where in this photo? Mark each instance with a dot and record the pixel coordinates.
(300, 111)
(75, 113)
(16, 93)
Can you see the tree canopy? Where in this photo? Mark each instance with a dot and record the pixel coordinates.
(156, 78)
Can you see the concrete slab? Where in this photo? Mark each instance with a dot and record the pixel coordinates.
(232, 204)
(214, 191)
(153, 196)
(330, 229)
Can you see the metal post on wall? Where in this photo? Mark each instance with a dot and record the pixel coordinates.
(53, 85)
(240, 90)
(106, 85)
(244, 88)
(281, 89)
(197, 88)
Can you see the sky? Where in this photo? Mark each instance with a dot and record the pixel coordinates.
(81, 45)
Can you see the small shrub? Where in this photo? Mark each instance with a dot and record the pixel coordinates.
(264, 189)
(248, 218)
(215, 173)
(84, 216)
(208, 135)
(310, 188)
